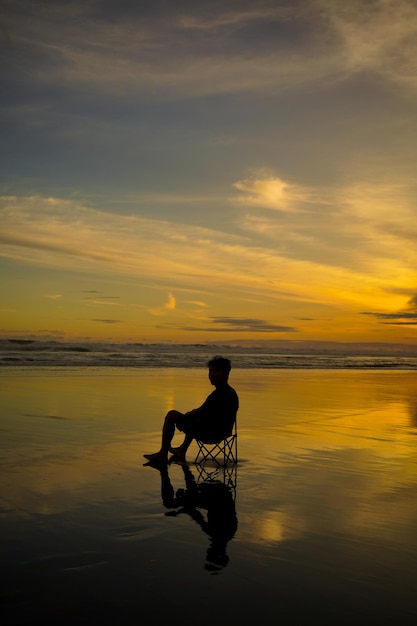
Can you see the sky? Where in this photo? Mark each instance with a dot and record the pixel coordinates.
(205, 171)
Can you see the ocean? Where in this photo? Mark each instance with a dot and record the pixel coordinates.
(22, 353)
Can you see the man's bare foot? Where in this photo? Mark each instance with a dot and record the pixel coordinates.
(177, 458)
(157, 457)
(178, 454)
(178, 451)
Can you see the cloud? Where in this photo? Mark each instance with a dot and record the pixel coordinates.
(250, 324)
(380, 37)
(232, 324)
(103, 300)
(163, 50)
(400, 315)
(107, 321)
(367, 226)
(238, 16)
(412, 303)
(381, 217)
(273, 193)
(171, 302)
(406, 317)
(187, 51)
(197, 303)
(56, 233)
(169, 305)
(344, 255)
(395, 319)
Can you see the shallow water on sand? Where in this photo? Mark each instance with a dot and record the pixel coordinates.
(318, 523)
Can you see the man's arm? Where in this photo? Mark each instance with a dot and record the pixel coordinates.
(199, 410)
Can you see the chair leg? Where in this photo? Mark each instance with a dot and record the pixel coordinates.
(220, 453)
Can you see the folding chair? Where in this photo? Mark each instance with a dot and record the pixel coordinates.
(220, 453)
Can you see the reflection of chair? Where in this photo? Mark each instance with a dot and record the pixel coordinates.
(226, 474)
(219, 453)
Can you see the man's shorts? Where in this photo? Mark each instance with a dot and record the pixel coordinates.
(190, 425)
(197, 428)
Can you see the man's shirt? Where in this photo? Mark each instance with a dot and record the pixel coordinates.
(215, 418)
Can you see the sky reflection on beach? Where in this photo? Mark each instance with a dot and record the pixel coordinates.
(325, 484)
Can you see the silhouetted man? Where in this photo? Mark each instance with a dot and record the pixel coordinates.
(211, 422)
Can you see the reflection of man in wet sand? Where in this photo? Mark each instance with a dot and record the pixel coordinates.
(211, 422)
(213, 496)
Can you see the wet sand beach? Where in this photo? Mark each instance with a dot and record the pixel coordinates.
(319, 523)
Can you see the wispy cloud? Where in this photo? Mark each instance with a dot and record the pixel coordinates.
(204, 18)
(54, 296)
(251, 325)
(189, 50)
(67, 235)
(197, 303)
(367, 226)
(231, 325)
(103, 300)
(107, 321)
(376, 36)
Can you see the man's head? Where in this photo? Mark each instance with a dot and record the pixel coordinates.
(219, 369)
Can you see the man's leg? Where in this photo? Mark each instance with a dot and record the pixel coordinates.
(168, 432)
(179, 453)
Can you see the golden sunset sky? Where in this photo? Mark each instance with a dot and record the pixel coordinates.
(193, 171)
